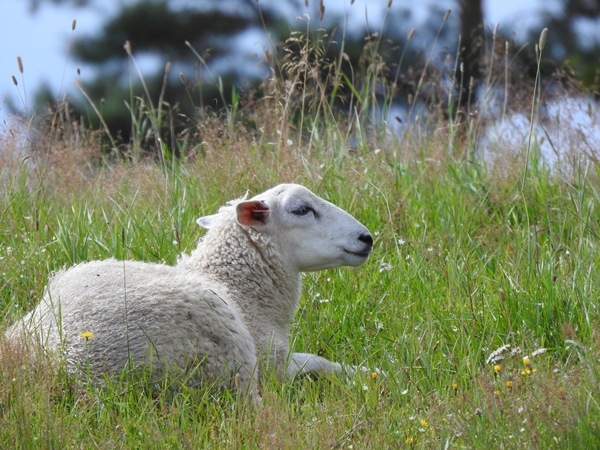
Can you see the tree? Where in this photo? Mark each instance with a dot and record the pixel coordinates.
(471, 52)
(167, 34)
(170, 33)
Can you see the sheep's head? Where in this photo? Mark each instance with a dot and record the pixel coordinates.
(312, 233)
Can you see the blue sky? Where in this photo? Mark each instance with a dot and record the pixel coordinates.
(41, 38)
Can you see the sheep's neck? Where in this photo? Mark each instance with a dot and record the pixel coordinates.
(265, 288)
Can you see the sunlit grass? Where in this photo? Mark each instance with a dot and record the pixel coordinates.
(457, 272)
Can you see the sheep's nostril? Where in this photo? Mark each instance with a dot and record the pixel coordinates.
(366, 238)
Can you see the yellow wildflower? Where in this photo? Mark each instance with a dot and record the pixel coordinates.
(526, 372)
(455, 386)
(87, 335)
(497, 368)
(509, 384)
(410, 440)
(424, 423)
(374, 375)
(526, 361)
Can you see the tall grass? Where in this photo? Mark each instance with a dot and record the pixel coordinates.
(468, 259)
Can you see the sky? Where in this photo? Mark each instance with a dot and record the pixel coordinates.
(41, 38)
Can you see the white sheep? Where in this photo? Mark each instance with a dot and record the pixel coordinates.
(221, 311)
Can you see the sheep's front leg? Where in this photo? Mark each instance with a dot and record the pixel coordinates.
(305, 363)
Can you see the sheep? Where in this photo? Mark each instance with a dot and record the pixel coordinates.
(220, 313)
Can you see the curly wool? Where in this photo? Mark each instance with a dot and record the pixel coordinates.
(128, 331)
(250, 265)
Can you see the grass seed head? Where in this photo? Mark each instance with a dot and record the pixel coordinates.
(20, 64)
(543, 38)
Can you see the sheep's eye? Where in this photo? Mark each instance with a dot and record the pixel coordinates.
(302, 211)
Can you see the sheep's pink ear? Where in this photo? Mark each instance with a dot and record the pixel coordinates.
(206, 221)
(252, 213)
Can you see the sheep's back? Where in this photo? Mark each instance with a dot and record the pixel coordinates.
(150, 314)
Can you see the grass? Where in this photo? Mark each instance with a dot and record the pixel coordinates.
(469, 257)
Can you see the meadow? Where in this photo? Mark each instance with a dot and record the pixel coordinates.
(478, 305)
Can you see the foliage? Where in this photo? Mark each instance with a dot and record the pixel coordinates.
(207, 47)
(159, 30)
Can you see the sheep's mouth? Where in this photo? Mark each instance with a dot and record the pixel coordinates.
(363, 254)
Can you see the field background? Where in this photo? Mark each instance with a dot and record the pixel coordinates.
(473, 252)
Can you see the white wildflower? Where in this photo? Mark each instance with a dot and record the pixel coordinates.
(516, 351)
(496, 355)
(385, 266)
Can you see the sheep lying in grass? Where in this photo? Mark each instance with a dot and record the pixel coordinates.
(216, 313)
